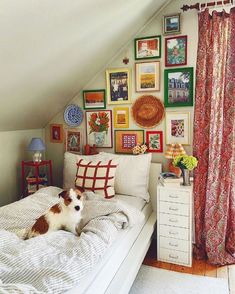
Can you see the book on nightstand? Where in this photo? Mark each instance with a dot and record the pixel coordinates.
(169, 179)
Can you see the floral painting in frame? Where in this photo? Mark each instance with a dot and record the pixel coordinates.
(56, 133)
(118, 85)
(154, 140)
(178, 85)
(94, 99)
(148, 47)
(171, 24)
(147, 76)
(176, 51)
(99, 128)
(121, 117)
(126, 140)
(177, 128)
(73, 140)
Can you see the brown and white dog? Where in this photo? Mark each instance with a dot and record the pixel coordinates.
(65, 215)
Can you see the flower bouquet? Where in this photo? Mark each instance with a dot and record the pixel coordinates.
(139, 149)
(186, 163)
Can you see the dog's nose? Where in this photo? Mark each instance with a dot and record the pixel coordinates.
(77, 207)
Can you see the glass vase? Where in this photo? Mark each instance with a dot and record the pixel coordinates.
(186, 177)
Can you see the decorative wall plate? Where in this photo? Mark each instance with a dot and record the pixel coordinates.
(148, 111)
(73, 115)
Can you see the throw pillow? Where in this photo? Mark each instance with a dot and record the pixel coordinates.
(96, 176)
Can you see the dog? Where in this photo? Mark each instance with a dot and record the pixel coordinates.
(66, 215)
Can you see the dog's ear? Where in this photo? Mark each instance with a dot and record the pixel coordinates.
(79, 191)
(63, 194)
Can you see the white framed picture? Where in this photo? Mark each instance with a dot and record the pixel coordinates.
(178, 128)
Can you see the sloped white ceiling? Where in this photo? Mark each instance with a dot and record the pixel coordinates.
(49, 49)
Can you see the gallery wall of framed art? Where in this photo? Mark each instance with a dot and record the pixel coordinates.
(160, 62)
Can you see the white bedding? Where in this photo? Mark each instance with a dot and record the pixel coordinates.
(54, 262)
(115, 255)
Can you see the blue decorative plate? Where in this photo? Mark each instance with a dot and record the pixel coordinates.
(73, 115)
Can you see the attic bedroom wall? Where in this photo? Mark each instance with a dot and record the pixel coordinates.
(12, 152)
(55, 151)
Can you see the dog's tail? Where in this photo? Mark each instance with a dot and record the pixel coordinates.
(23, 234)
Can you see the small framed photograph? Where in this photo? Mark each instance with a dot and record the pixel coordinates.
(148, 47)
(176, 51)
(178, 87)
(147, 76)
(73, 140)
(94, 99)
(177, 128)
(125, 140)
(154, 140)
(99, 130)
(56, 133)
(121, 117)
(171, 24)
(118, 85)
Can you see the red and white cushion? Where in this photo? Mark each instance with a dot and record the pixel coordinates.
(96, 176)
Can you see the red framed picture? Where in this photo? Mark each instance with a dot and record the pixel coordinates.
(176, 51)
(56, 133)
(154, 140)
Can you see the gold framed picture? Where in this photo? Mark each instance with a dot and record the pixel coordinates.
(147, 76)
(118, 85)
(126, 140)
(121, 117)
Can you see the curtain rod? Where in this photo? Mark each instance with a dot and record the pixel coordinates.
(198, 6)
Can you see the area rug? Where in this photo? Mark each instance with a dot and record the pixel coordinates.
(152, 280)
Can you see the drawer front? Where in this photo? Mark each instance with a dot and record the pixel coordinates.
(174, 208)
(174, 220)
(174, 244)
(174, 232)
(171, 195)
(174, 256)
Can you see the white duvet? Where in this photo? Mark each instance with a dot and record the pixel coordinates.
(55, 262)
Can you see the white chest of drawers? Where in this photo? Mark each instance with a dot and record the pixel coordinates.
(174, 224)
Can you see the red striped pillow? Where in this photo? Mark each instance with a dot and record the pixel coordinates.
(96, 176)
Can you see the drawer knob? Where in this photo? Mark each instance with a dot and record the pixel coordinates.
(173, 233)
(173, 208)
(173, 245)
(173, 256)
(173, 220)
(174, 196)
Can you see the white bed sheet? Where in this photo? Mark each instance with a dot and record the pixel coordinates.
(103, 272)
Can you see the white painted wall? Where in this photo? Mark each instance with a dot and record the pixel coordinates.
(12, 152)
(189, 27)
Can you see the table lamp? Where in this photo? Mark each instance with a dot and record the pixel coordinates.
(37, 146)
(172, 151)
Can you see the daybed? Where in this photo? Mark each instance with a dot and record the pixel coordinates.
(116, 258)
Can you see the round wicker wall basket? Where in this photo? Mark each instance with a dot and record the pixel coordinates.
(147, 111)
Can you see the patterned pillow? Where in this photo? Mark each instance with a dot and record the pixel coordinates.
(96, 176)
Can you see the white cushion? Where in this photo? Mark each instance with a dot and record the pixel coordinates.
(132, 175)
(70, 167)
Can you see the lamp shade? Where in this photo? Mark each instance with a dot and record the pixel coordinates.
(36, 144)
(174, 150)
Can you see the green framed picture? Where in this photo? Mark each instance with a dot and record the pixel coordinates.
(94, 99)
(148, 47)
(178, 83)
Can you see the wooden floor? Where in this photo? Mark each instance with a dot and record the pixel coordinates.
(200, 267)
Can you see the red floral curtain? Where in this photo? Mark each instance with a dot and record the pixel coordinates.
(214, 138)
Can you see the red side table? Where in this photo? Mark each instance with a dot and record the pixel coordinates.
(36, 166)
